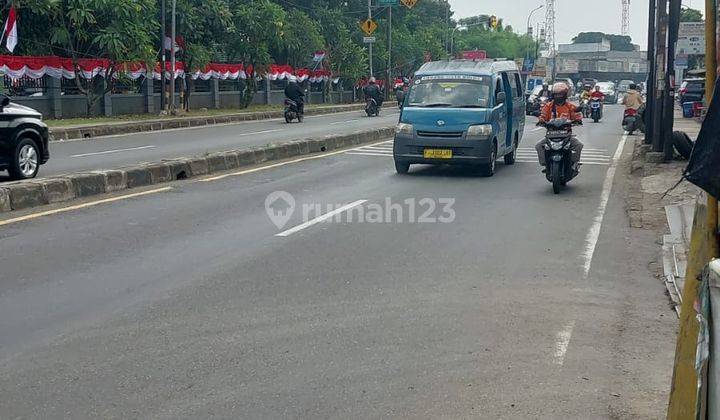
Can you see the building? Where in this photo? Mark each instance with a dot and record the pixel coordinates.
(598, 61)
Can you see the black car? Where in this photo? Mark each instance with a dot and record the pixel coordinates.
(23, 140)
(692, 90)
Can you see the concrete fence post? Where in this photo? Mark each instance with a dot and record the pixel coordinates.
(149, 93)
(215, 90)
(54, 91)
(267, 91)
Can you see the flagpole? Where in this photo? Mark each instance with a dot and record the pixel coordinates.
(172, 60)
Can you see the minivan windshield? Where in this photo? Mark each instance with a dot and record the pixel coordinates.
(450, 92)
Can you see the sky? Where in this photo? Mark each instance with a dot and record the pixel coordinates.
(572, 16)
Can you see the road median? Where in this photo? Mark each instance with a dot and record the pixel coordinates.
(129, 127)
(23, 195)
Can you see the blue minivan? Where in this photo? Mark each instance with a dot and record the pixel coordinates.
(461, 112)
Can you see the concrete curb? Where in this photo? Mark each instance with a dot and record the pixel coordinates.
(90, 131)
(38, 192)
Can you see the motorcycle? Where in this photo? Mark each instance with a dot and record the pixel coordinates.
(585, 108)
(535, 106)
(558, 156)
(292, 111)
(633, 120)
(372, 109)
(595, 109)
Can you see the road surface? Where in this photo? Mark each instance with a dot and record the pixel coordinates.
(131, 149)
(189, 302)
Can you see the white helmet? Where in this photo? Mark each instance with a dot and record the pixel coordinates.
(292, 79)
(372, 80)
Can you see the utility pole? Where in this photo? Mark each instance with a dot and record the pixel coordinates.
(163, 34)
(550, 33)
(652, 75)
(389, 62)
(673, 28)
(370, 45)
(172, 59)
(661, 54)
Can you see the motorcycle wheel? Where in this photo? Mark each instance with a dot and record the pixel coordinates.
(596, 118)
(288, 119)
(300, 118)
(556, 176)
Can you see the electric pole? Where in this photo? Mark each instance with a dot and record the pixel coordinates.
(172, 59)
(389, 62)
(652, 75)
(673, 27)
(550, 33)
(660, 60)
(370, 45)
(163, 34)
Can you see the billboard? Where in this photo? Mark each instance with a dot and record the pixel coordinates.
(691, 38)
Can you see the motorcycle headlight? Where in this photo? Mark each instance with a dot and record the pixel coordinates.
(402, 128)
(556, 145)
(482, 131)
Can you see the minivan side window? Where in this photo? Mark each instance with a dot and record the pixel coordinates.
(518, 85)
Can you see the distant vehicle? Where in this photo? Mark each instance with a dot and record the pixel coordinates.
(532, 83)
(534, 102)
(692, 90)
(624, 86)
(589, 83)
(461, 112)
(292, 111)
(596, 109)
(559, 169)
(608, 89)
(23, 140)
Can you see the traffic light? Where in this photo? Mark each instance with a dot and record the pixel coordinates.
(493, 22)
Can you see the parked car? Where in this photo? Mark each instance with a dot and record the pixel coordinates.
(691, 90)
(23, 140)
(589, 83)
(608, 89)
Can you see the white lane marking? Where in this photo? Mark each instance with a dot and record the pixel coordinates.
(583, 162)
(319, 219)
(594, 233)
(81, 206)
(275, 165)
(369, 154)
(537, 129)
(107, 152)
(562, 340)
(261, 132)
(344, 122)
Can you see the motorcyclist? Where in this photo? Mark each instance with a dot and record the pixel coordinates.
(559, 107)
(545, 91)
(295, 93)
(402, 90)
(372, 90)
(633, 99)
(597, 94)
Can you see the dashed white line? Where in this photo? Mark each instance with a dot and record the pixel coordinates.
(594, 233)
(319, 219)
(107, 152)
(562, 341)
(260, 132)
(344, 122)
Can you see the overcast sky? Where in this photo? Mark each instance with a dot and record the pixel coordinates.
(572, 16)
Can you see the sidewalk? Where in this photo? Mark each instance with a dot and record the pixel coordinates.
(125, 126)
(654, 204)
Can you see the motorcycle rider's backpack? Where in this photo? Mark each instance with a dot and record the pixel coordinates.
(702, 170)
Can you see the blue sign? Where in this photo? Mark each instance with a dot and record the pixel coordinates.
(528, 64)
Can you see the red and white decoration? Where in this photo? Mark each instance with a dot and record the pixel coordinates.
(10, 31)
(36, 67)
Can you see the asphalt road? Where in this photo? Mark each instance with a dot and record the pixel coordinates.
(116, 151)
(191, 303)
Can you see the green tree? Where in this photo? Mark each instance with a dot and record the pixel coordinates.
(617, 42)
(690, 15)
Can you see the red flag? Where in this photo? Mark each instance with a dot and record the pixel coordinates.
(10, 31)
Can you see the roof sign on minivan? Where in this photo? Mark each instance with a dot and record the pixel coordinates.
(456, 77)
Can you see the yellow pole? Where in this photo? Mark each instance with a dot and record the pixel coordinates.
(703, 247)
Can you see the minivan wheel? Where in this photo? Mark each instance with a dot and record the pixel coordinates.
(26, 160)
(510, 157)
(402, 167)
(488, 169)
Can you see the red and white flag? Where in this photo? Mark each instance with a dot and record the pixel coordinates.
(10, 32)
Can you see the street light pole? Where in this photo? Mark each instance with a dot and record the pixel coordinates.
(162, 55)
(370, 45)
(528, 25)
(172, 59)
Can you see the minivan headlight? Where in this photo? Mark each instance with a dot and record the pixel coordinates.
(483, 131)
(403, 128)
